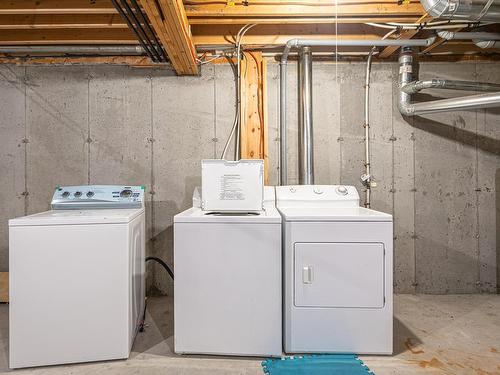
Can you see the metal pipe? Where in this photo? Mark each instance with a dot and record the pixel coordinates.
(444, 105)
(306, 150)
(283, 136)
(75, 50)
(294, 43)
(475, 10)
(416, 86)
(366, 178)
(450, 35)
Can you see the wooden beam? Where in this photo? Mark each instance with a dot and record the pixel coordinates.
(56, 7)
(134, 61)
(253, 135)
(169, 21)
(61, 21)
(406, 34)
(280, 34)
(294, 20)
(309, 8)
(67, 36)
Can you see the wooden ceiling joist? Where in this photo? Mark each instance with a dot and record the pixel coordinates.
(406, 34)
(69, 36)
(307, 8)
(56, 7)
(61, 21)
(170, 23)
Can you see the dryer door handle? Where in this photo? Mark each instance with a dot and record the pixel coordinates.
(307, 274)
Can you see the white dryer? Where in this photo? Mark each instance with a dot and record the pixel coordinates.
(227, 290)
(77, 277)
(337, 272)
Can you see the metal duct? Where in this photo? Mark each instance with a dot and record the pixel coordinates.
(306, 157)
(407, 86)
(449, 35)
(471, 10)
(294, 43)
(487, 43)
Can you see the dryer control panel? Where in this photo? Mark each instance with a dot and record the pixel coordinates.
(86, 197)
(328, 196)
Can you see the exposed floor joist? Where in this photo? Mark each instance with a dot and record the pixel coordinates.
(169, 21)
(406, 34)
(61, 21)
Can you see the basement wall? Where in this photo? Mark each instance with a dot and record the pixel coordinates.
(439, 175)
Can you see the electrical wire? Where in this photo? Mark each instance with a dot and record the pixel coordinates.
(163, 264)
(237, 125)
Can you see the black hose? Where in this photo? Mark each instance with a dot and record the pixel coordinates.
(163, 264)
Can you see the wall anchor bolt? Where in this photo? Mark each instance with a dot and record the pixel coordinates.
(392, 138)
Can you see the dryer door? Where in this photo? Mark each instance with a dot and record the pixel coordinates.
(339, 275)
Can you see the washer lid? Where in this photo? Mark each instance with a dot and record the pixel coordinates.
(196, 215)
(333, 214)
(73, 217)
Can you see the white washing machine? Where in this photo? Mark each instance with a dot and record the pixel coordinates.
(337, 272)
(227, 290)
(77, 277)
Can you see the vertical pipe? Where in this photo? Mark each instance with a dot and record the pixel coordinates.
(283, 144)
(306, 157)
(367, 176)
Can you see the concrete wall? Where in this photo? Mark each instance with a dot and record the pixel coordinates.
(438, 175)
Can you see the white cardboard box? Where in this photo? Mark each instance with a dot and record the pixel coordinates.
(232, 186)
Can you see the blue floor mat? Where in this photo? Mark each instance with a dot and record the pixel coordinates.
(316, 364)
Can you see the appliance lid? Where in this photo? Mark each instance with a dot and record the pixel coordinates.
(196, 215)
(333, 214)
(75, 217)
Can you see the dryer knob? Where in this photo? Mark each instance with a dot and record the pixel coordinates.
(293, 190)
(342, 190)
(318, 190)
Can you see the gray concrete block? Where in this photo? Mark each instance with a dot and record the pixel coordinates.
(352, 81)
(12, 130)
(326, 124)
(488, 153)
(404, 197)
(273, 132)
(446, 173)
(57, 131)
(381, 133)
(183, 121)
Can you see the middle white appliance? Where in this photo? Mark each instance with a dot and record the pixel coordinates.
(227, 291)
(337, 272)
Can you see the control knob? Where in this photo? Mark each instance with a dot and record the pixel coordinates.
(65, 194)
(90, 194)
(126, 193)
(342, 190)
(78, 194)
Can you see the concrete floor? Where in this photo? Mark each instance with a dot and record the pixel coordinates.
(452, 334)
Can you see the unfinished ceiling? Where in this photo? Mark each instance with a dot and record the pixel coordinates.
(185, 28)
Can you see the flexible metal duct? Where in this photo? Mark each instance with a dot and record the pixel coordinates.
(487, 43)
(408, 86)
(473, 10)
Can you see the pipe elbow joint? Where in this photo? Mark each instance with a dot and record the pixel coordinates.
(406, 109)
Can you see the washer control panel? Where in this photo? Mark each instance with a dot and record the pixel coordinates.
(317, 196)
(97, 196)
